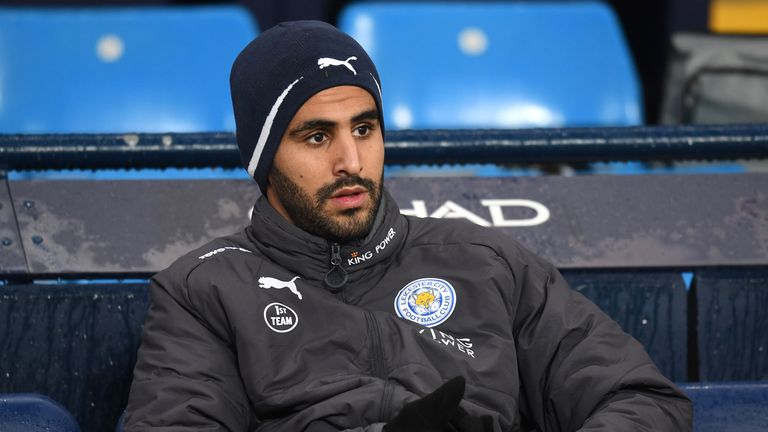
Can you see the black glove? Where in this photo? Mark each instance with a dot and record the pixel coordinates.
(463, 422)
(430, 413)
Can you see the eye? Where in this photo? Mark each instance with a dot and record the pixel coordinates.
(362, 130)
(316, 138)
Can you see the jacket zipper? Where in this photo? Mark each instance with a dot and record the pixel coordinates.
(336, 277)
(335, 280)
(378, 364)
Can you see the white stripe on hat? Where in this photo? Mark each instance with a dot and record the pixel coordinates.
(266, 129)
(381, 97)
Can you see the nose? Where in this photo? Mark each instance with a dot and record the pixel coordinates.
(347, 156)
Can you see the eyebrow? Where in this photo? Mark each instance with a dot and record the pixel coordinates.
(328, 124)
(366, 115)
(311, 124)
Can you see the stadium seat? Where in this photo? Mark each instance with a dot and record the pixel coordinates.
(85, 341)
(138, 69)
(649, 305)
(730, 306)
(29, 412)
(729, 407)
(499, 64)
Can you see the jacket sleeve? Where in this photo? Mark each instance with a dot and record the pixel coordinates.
(376, 427)
(186, 375)
(578, 369)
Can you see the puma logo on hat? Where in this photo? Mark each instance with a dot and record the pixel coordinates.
(325, 62)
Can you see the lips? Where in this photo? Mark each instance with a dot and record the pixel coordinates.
(349, 197)
(349, 190)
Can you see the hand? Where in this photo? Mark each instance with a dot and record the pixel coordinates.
(432, 412)
(463, 422)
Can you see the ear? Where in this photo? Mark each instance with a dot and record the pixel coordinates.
(271, 173)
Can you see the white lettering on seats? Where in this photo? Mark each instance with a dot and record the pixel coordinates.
(495, 205)
(451, 210)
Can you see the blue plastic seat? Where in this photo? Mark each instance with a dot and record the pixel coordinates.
(649, 305)
(28, 412)
(731, 305)
(729, 406)
(498, 64)
(139, 69)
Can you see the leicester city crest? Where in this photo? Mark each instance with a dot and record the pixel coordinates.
(427, 301)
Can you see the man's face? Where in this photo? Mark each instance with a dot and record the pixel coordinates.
(327, 173)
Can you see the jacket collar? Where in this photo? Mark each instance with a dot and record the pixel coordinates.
(310, 256)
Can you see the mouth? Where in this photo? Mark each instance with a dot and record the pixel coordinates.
(349, 197)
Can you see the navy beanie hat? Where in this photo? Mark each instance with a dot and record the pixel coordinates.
(278, 71)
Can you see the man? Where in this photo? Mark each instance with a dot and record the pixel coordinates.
(332, 311)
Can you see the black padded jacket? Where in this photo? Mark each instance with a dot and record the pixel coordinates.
(245, 334)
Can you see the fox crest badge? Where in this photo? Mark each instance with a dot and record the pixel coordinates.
(427, 301)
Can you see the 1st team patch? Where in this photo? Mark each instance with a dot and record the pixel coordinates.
(280, 318)
(427, 301)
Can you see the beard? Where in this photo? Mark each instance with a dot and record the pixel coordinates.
(309, 214)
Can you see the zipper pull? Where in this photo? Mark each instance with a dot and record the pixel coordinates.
(336, 277)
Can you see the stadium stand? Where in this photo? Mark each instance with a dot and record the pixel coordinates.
(27, 412)
(74, 342)
(150, 69)
(660, 324)
(729, 306)
(267, 12)
(729, 406)
(75, 256)
(620, 240)
(498, 65)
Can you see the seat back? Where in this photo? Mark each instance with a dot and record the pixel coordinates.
(729, 406)
(86, 363)
(732, 323)
(29, 412)
(649, 305)
(498, 65)
(148, 69)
